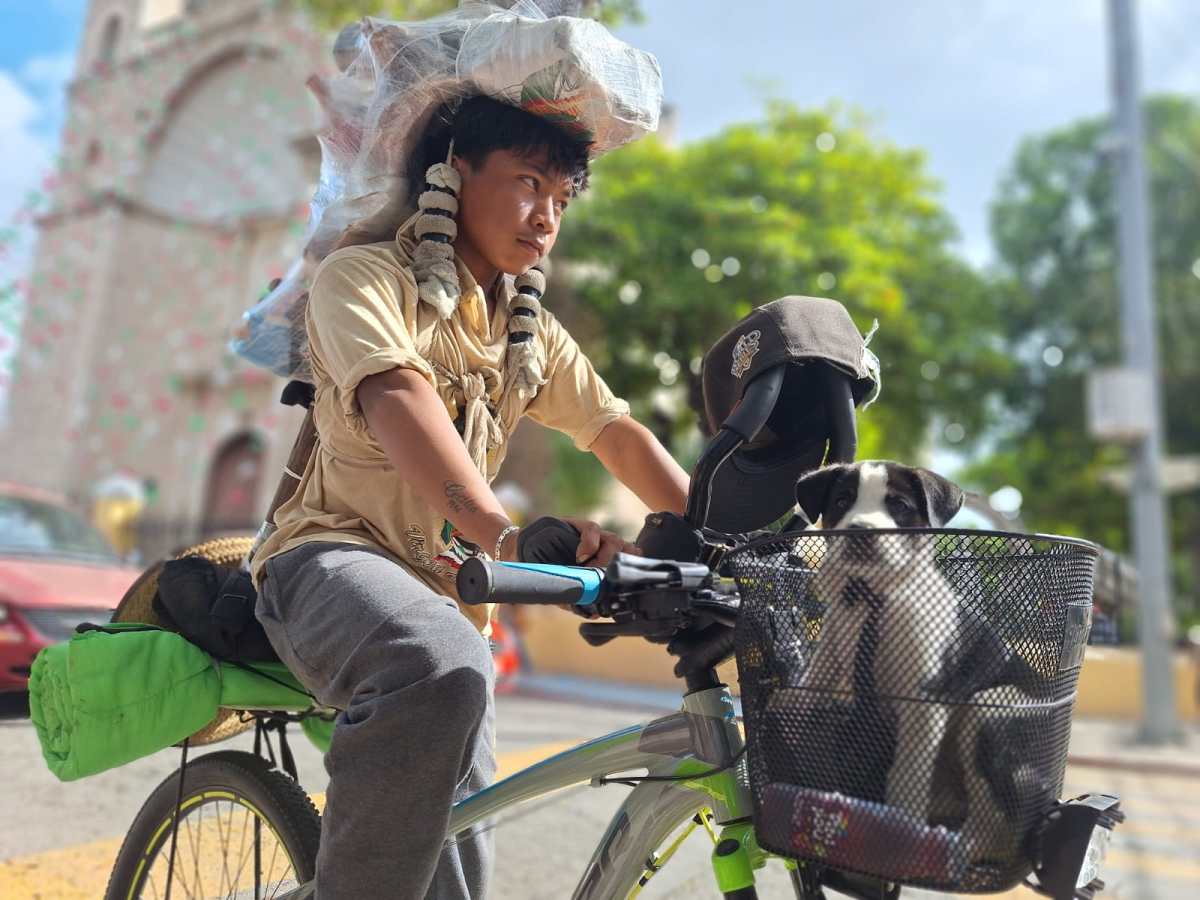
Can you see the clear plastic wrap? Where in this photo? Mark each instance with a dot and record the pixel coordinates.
(392, 77)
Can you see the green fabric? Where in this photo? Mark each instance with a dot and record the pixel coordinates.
(103, 699)
(244, 689)
(319, 731)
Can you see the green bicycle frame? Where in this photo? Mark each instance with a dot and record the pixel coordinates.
(682, 749)
(693, 761)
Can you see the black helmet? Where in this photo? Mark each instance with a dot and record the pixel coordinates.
(823, 357)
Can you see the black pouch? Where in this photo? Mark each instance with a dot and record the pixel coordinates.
(213, 607)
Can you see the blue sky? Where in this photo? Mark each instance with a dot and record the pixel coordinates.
(37, 49)
(31, 28)
(964, 79)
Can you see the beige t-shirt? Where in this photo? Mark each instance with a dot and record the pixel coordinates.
(363, 318)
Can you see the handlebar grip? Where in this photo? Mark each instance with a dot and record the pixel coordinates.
(480, 581)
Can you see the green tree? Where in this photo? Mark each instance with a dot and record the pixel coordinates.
(1054, 227)
(336, 13)
(674, 244)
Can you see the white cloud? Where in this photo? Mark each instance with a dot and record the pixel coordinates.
(27, 154)
(32, 101)
(31, 111)
(50, 73)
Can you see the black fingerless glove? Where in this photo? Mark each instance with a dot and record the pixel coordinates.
(549, 541)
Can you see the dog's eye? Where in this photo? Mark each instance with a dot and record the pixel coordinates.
(901, 508)
(843, 501)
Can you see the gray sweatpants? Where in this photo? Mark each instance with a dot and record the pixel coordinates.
(414, 680)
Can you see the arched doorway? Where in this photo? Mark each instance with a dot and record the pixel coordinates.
(231, 499)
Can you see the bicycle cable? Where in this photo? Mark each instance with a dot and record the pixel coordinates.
(635, 780)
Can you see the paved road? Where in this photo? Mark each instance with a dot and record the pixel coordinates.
(58, 840)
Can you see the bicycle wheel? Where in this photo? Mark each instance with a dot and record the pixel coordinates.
(245, 830)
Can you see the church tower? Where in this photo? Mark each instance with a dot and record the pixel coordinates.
(186, 162)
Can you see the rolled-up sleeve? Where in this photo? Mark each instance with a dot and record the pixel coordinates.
(575, 400)
(357, 326)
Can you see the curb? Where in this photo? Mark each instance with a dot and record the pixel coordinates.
(656, 700)
(1159, 767)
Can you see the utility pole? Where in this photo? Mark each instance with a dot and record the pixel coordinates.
(1151, 542)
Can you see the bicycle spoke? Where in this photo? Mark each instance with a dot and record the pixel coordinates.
(215, 845)
(175, 879)
(245, 853)
(194, 841)
(225, 839)
(196, 863)
(271, 867)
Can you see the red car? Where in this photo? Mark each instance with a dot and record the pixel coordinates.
(55, 572)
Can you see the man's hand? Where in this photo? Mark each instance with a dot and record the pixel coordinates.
(596, 546)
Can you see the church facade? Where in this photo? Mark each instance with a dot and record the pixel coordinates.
(187, 158)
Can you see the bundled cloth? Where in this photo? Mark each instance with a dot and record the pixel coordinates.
(116, 693)
(392, 77)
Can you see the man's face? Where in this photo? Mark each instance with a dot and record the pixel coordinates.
(510, 209)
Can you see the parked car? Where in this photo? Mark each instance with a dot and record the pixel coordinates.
(55, 572)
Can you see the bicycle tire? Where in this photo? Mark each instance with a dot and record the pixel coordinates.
(251, 788)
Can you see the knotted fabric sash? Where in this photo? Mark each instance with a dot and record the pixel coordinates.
(471, 393)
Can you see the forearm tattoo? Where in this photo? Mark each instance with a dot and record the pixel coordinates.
(459, 500)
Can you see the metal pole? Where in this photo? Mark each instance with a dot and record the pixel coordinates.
(1139, 340)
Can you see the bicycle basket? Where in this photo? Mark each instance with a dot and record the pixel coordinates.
(908, 694)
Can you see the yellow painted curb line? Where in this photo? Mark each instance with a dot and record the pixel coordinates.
(81, 872)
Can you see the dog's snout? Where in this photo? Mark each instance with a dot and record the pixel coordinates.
(860, 543)
(856, 526)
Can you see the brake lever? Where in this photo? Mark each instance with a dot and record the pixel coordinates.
(721, 608)
(598, 633)
(629, 572)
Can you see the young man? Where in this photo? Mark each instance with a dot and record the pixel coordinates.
(357, 584)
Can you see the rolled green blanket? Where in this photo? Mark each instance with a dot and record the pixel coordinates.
(107, 697)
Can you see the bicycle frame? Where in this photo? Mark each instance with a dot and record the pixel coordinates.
(701, 737)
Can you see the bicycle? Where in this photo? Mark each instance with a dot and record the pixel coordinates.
(739, 594)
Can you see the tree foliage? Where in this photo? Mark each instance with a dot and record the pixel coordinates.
(1054, 226)
(334, 14)
(674, 244)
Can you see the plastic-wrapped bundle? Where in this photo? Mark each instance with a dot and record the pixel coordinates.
(393, 76)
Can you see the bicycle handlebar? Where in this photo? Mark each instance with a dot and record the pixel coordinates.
(662, 600)
(529, 583)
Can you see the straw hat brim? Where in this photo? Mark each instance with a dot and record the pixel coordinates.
(138, 606)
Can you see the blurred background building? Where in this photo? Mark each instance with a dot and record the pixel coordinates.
(188, 157)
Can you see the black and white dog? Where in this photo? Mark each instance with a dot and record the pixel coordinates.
(894, 629)
(890, 617)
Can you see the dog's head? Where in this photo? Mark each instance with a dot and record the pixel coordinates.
(877, 494)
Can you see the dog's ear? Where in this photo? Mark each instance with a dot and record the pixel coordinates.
(812, 490)
(943, 498)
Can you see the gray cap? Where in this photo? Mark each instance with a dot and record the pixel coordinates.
(756, 485)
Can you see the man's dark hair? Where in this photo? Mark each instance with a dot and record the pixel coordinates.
(480, 125)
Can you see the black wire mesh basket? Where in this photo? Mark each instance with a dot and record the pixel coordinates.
(908, 694)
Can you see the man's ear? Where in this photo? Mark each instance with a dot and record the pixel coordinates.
(943, 498)
(812, 490)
